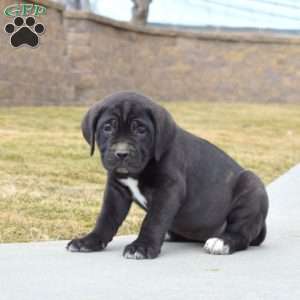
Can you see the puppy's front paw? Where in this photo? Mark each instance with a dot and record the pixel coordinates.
(216, 246)
(138, 250)
(88, 243)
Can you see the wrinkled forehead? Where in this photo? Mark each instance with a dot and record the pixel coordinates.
(127, 111)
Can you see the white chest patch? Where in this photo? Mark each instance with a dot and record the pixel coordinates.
(132, 184)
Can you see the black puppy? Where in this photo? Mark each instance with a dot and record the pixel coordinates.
(190, 189)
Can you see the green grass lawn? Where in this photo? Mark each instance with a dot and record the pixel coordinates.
(50, 188)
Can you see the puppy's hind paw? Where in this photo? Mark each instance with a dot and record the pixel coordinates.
(216, 246)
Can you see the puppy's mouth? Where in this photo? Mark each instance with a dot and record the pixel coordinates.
(125, 171)
(122, 171)
(122, 167)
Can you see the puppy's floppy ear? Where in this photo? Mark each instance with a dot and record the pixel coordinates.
(165, 130)
(89, 124)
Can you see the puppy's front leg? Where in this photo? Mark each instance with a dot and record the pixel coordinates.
(114, 210)
(158, 220)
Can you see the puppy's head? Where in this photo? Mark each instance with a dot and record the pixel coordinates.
(130, 130)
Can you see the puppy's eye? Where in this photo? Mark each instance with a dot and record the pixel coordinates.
(141, 129)
(108, 128)
(138, 128)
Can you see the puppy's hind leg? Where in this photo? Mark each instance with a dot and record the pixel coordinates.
(246, 221)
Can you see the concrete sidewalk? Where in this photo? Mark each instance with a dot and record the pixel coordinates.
(45, 270)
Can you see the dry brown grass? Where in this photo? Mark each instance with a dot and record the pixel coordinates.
(51, 189)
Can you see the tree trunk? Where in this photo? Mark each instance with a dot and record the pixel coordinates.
(140, 11)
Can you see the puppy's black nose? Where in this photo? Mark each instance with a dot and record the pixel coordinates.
(121, 154)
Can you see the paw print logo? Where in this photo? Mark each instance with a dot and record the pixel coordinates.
(24, 32)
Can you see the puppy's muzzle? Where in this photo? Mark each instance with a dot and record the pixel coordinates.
(123, 158)
(122, 155)
(122, 151)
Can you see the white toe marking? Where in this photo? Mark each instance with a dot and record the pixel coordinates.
(72, 248)
(129, 255)
(167, 237)
(135, 255)
(132, 184)
(138, 255)
(216, 246)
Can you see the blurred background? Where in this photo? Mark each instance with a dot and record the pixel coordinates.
(227, 70)
(196, 50)
(282, 15)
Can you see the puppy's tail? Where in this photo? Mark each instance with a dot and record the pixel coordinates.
(260, 238)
